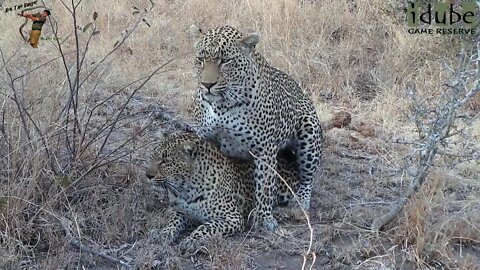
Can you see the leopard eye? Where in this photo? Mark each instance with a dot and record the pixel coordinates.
(163, 160)
(200, 61)
(224, 61)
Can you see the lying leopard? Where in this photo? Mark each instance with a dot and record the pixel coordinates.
(207, 188)
(252, 111)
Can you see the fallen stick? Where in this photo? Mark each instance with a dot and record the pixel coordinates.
(77, 244)
(65, 223)
(415, 183)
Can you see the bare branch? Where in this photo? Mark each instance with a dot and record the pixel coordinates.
(434, 128)
(16, 100)
(66, 225)
(118, 45)
(128, 100)
(35, 68)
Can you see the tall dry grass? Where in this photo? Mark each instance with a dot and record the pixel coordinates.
(350, 55)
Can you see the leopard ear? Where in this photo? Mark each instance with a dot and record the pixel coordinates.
(195, 33)
(248, 43)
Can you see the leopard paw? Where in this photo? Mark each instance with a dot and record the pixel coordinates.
(160, 236)
(190, 246)
(268, 222)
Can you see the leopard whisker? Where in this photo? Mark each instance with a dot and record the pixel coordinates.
(232, 95)
(174, 188)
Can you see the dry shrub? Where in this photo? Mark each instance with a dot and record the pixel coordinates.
(435, 228)
(474, 104)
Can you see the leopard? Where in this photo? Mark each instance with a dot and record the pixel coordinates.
(207, 189)
(252, 110)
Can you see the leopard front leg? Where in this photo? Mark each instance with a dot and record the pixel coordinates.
(265, 191)
(176, 224)
(205, 123)
(224, 226)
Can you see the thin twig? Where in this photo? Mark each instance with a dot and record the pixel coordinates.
(309, 251)
(17, 101)
(434, 128)
(118, 45)
(120, 111)
(77, 244)
(65, 223)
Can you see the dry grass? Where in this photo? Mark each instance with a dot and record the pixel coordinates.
(353, 56)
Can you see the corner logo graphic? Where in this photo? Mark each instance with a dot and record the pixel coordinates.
(38, 19)
(446, 17)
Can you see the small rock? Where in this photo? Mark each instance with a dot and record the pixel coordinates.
(341, 119)
(366, 130)
(357, 137)
(338, 135)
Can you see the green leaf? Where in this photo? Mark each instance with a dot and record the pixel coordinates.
(95, 15)
(63, 181)
(85, 28)
(135, 12)
(3, 202)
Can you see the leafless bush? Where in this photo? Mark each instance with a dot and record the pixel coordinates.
(45, 161)
(437, 126)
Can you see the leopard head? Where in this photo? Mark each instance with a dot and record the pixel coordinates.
(224, 59)
(172, 165)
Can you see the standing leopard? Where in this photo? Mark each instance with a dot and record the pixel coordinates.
(246, 107)
(206, 187)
